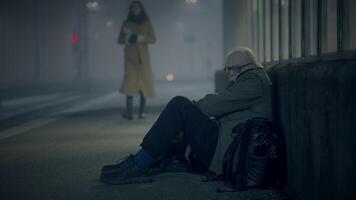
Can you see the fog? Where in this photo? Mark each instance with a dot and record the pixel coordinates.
(189, 39)
(37, 50)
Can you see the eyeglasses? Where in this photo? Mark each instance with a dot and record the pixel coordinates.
(228, 68)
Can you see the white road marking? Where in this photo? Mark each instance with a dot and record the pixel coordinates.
(24, 128)
(10, 132)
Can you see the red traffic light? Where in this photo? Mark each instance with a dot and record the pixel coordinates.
(75, 39)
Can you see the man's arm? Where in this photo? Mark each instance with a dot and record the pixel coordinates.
(240, 96)
(123, 35)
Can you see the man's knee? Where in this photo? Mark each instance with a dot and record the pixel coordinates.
(179, 100)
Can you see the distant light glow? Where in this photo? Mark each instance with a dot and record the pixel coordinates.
(191, 1)
(170, 77)
(93, 5)
(180, 25)
(109, 24)
(96, 35)
(75, 39)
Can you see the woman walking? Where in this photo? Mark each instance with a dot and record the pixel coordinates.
(136, 33)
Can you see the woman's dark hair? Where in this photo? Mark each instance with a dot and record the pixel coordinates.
(138, 19)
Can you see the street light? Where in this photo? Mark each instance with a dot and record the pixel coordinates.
(92, 6)
(191, 1)
(170, 77)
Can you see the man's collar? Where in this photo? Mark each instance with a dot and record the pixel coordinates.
(248, 67)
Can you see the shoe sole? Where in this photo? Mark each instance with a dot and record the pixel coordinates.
(127, 181)
(114, 168)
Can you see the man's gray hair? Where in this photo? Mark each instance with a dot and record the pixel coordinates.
(241, 56)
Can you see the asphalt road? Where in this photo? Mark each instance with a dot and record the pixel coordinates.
(58, 156)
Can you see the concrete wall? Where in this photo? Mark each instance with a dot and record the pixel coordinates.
(17, 38)
(189, 38)
(316, 108)
(105, 60)
(36, 48)
(238, 24)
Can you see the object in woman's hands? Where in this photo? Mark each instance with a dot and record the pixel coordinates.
(133, 39)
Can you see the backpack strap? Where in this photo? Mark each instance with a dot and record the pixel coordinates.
(234, 161)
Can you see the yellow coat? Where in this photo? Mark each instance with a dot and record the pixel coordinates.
(138, 75)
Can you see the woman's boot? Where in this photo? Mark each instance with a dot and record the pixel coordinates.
(141, 113)
(128, 114)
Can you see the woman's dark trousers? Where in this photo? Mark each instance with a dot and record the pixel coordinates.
(182, 115)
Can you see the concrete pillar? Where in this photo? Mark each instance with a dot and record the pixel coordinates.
(238, 24)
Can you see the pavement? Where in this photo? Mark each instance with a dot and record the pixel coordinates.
(57, 152)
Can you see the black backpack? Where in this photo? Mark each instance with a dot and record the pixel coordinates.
(252, 160)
